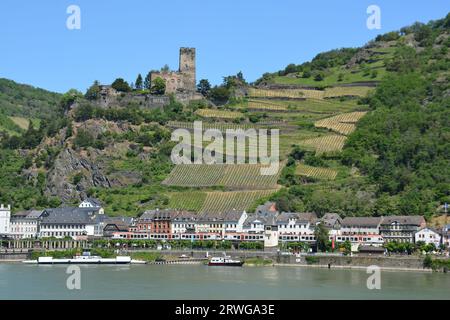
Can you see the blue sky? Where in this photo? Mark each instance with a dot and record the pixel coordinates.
(124, 38)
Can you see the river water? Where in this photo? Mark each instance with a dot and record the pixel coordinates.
(19, 281)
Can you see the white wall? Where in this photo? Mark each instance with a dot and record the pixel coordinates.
(428, 236)
(292, 228)
(5, 217)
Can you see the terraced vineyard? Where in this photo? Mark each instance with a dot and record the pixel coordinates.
(195, 175)
(235, 176)
(315, 172)
(264, 105)
(294, 112)
(353, 91)
(216, 201)
(342, 123)
(342, 128)
(323, 144)
(222, 126)
(226, 201)
(215, 113)
(188, 200)
(286, 93)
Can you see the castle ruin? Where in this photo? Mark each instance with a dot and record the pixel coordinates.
(182, 80)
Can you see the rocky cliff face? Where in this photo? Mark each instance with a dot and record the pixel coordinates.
(73, 174)
(75, 171)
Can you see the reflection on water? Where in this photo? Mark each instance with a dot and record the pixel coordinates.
(19, 281)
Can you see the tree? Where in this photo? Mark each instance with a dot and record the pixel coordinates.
(220, 94)
(318, 77)
(93, 92)
(139, 85)
(159, 86)
(240, 77)
(306, 74)
(148, 81)
(121, 85)
(166, 68)
(322, 239)
(297, 153)
(69, 98)
(204, 87)
(346, 247)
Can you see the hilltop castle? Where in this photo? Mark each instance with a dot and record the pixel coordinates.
(182, 80)
(181, 83)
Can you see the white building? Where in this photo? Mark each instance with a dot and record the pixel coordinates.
(361, 225)
(183, 222)
(296, 223)
(254, 225)
(428, 236)
(358, 240)
(5, 217)
(221, 223)
(25, 225)
(69, 222)
(92, 203)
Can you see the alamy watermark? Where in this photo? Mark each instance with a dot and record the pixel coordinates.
(73, 21)
(374, 20)
(374, 281)
(73, 282)
(186, 152)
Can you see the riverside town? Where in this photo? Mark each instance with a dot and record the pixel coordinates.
(229, 150)
(265, 233)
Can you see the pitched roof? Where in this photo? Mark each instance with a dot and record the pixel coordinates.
(29, 214)
(431, 229)
(300, 217)
(95, 202)
(69, 215)
(330, 219)
(233, 215)
(361, 221)
(254, 219)
(266, 208)
(412, 220)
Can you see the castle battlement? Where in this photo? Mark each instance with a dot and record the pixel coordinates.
(183, 80)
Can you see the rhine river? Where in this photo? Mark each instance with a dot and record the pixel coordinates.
(18, 281)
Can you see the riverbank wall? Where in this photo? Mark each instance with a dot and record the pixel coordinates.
(6, 257)
(332, 261)
(384, 262)
(414, 263)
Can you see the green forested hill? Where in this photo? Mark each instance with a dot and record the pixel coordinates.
(26, 101)
(395, 160)
(401, 147)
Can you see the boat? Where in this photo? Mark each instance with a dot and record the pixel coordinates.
(85, 258)
(225, 261)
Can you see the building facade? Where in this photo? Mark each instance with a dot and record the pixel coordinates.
(360, 225)
(428, 236)
(68, 222)
(296, 223)
(401, 228)
(25, 225)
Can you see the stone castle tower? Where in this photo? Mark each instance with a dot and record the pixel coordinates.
(187, 68)
(184, 79)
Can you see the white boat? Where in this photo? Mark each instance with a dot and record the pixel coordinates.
(225, 261)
